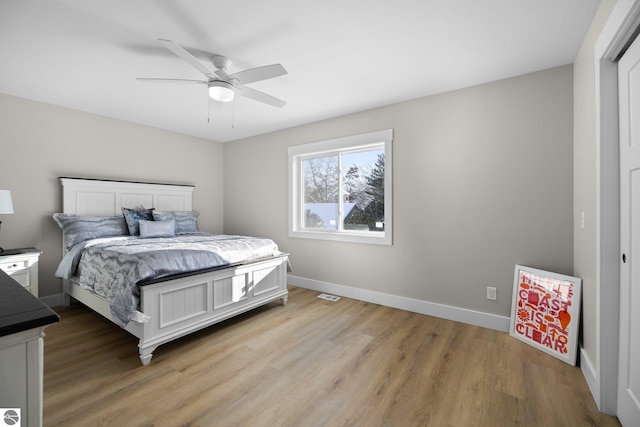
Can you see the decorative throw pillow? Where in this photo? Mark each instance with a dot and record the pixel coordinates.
(157, 228)
(76, 229)
(132, 216)
(186, 221)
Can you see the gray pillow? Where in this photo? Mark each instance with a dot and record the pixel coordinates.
(165, 228)
(76, 229)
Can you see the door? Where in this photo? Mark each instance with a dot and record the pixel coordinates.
(629, 346)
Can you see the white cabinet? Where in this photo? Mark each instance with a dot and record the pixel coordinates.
(23, 318)
(22, 266)
(21, 375)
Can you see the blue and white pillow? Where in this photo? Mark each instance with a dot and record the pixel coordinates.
(133, 216)
(76, 229)
(186, 221)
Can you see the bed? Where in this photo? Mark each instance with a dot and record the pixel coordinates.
(178, 303)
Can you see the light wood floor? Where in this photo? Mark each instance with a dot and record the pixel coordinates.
(310, 363)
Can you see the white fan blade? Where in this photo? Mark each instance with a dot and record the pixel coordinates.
(179, 51)
(259, 73)
(154, 80)
(260, 96)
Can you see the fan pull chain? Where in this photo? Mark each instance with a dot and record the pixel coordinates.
(233, 115)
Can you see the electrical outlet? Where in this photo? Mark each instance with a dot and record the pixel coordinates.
(491, 293)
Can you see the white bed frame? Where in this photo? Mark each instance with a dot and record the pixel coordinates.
(178, 306)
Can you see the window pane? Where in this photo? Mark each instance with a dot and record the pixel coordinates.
(321, 192)
(363, 190)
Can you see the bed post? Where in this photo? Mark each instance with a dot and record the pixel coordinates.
(66, 298)
(146, 355)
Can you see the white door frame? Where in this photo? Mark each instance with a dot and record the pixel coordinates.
(617, 32)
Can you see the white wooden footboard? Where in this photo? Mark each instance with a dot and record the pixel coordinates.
(178, 307)
(182, 306)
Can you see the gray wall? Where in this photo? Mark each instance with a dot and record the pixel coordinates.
(41, 142)
(482, 178)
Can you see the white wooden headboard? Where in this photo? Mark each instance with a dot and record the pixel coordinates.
(90, 197)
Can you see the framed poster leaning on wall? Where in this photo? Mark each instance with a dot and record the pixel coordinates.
(545, 311)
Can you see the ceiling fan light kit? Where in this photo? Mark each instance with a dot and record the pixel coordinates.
(221, 91)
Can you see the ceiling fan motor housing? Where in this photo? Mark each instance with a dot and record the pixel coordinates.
(220, 62)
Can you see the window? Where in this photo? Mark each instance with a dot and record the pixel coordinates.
(341, 189)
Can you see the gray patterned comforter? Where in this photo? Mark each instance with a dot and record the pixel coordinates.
(112, 267)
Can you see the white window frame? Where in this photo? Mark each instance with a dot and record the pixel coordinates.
(298, 153)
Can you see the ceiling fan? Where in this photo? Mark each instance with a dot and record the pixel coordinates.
(221, 85)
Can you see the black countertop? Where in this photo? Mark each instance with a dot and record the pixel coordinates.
(19, 251)
(19, 309)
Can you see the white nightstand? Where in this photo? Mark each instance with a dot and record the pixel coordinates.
(22, 265)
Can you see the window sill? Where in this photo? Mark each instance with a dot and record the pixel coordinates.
(344, 236)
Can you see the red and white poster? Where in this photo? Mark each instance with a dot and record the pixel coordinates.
(545, 311)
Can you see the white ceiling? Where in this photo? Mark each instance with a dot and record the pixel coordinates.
(342, 56)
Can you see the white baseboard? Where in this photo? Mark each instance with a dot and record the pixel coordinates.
(589, 373)
(52, 300)
(477, 318)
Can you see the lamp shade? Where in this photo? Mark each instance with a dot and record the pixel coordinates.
(6, 205)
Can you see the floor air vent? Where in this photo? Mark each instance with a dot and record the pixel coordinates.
(329, 297)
